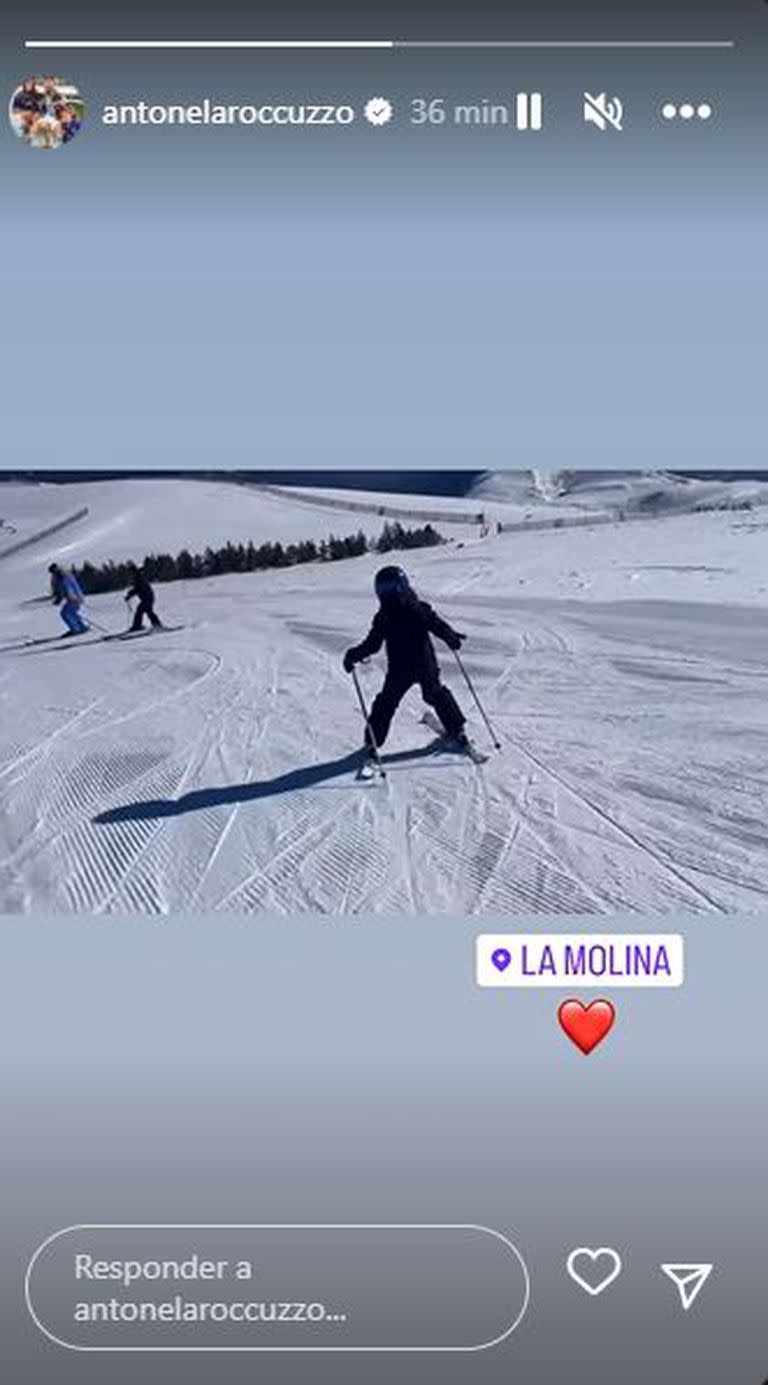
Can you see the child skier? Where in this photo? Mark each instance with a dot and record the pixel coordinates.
(67, 593)
(146, 607)
(404, 624)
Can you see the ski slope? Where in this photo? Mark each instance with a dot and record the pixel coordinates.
(624, 666)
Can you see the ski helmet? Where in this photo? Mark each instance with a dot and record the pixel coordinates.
(390, 581)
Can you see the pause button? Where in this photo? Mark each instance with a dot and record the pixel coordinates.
(529, 110)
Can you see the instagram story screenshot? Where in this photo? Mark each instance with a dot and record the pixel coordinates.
(384, 693)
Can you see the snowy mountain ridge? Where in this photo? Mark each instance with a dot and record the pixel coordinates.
(626, 493)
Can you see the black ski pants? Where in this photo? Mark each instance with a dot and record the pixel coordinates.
(145, 608)
(435, 694)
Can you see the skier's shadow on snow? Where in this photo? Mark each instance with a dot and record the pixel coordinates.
(306, 778)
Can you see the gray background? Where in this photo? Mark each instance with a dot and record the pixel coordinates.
(227, 1071)
(395, 297)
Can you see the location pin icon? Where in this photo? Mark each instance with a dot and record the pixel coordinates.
(501, 958)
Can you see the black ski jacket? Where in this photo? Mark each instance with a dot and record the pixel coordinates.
(405, 629)
(142, 589)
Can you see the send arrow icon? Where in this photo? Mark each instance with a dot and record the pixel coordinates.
(689, 1280)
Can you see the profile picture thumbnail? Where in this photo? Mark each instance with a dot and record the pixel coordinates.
(46, 112)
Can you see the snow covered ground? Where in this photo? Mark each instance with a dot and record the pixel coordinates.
(131, 517)
(624, 665)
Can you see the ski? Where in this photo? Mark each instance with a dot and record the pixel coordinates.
(65, 642)
(47, 639)
(469, 749)
(29, 644)
(61, 643)
(136, 634)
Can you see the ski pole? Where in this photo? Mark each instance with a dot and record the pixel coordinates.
(370, 736)
(95, 623)
(478, 703)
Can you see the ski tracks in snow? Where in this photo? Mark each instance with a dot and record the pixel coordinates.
(213, 773)
(50, 794)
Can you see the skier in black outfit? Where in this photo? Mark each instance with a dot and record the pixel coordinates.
(404, 624)
(146, 607)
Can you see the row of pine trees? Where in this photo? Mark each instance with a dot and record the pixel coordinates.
(239, 557)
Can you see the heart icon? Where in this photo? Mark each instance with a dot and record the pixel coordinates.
(586, 1025)
(598, 1268)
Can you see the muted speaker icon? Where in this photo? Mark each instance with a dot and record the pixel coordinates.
(606, 112)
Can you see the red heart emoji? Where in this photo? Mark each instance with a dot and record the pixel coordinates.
(586, 1025)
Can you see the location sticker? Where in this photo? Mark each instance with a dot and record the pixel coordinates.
(566, 961)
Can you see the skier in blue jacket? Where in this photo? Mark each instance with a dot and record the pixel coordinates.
(67, 593)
